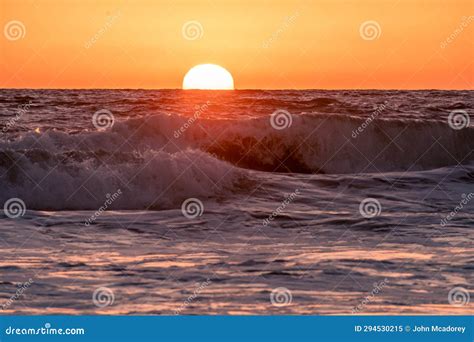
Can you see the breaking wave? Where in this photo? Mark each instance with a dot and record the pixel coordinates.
(82, 180)
(158, 161)
(312, 144)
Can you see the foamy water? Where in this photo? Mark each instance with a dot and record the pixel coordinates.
(206, 203)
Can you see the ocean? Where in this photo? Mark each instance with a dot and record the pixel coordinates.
(236, 202)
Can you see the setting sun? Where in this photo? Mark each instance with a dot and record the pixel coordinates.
(208, 76)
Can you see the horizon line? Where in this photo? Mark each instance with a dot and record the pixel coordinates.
(247, 89)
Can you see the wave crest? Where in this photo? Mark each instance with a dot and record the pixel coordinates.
(327, 144)
(312, 144)
(80, 180)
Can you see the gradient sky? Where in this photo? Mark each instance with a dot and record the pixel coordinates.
(264, 44)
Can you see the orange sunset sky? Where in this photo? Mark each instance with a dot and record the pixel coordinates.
(275, 44)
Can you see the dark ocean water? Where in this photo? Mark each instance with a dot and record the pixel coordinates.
(241, 202)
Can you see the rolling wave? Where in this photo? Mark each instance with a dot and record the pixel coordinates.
(81, 180)
(158, 161)
(310, 143)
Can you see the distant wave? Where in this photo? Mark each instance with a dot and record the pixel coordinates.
(314, 102)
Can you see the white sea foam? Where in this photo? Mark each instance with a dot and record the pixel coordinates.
(152, 180)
